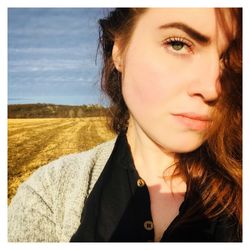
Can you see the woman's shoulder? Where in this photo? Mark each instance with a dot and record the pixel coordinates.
(57, 191)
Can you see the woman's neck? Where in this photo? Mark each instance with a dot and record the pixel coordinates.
(149, 157)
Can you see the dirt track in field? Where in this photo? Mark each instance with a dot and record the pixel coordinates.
(35, 142)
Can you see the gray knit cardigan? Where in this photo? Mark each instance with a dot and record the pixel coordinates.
(48, 206)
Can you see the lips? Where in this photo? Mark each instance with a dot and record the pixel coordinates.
(193, 121)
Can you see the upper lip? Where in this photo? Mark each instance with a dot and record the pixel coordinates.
(194, 116)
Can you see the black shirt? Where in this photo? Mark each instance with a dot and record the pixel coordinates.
(118, 209)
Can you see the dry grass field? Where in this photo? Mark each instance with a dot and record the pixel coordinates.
(35, 142)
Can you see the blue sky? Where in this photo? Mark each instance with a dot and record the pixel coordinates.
(52, 55)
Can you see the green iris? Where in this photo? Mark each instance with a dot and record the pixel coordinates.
(177, 45)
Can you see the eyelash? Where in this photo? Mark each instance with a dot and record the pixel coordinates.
(171, 41)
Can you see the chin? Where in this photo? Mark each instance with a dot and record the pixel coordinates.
(180, 146)
(186, 148)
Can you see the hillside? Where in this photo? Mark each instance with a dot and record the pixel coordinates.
(54, 111)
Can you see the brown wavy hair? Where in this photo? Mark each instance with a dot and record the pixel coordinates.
(216, 166)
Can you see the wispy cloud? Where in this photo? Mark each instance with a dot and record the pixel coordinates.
(46, 65)
(87, 49)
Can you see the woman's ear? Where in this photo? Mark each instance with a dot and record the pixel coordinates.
(116, 56)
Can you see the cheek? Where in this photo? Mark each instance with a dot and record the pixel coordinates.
(147, 83)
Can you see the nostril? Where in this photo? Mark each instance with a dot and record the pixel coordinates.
(211, 103)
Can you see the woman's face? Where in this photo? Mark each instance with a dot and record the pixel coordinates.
(170, 73)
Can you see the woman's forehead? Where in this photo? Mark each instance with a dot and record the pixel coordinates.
(203, 20)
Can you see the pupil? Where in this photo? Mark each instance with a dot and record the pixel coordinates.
(177, 45)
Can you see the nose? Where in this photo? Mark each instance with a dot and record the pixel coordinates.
(206, 78)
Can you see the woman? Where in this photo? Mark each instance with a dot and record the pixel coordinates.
(174, 171)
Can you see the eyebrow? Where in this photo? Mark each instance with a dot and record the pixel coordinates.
(200, 38)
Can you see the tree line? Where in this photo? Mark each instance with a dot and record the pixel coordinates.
(41, 110)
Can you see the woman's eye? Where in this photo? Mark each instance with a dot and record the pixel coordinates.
(178, 45)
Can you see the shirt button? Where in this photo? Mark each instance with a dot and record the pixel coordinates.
(148, 225)
(140, 183)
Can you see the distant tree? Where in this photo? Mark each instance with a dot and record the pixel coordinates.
(71, 113)
(80, 113)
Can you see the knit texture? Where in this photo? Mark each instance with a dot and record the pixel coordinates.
(48, 206)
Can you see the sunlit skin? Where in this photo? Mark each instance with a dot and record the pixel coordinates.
(170, 83)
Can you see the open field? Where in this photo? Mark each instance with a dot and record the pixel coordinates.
(35, 142)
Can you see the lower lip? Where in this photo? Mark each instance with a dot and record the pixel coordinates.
(192, 124)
